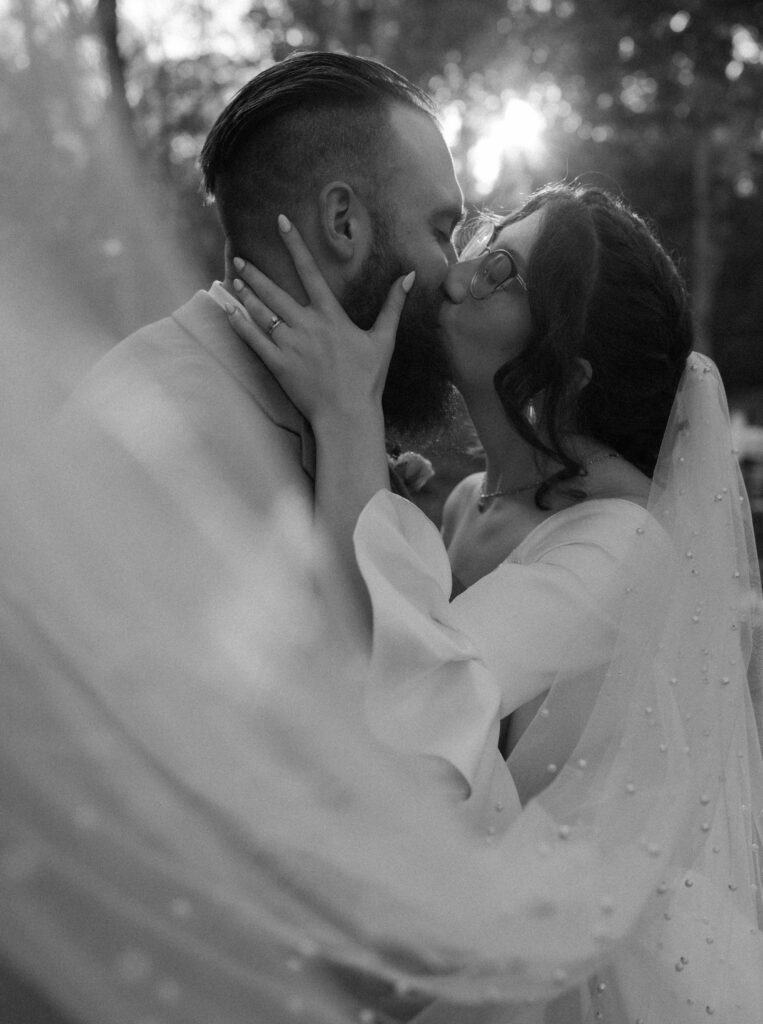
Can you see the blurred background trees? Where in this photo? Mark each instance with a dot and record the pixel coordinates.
(104, 105)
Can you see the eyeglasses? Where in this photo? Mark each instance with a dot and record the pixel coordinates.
(497, 269)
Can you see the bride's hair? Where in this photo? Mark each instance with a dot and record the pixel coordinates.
(601, 288)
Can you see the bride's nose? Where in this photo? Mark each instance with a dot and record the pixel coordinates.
(458, 279)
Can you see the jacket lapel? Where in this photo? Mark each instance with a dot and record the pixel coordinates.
(206, 322)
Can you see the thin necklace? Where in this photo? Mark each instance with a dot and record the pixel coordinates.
(487, 496)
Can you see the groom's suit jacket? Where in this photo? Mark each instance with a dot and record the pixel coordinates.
(183, 448)
(188, 487)
(186, 395)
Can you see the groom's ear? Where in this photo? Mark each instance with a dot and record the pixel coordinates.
(344, 224)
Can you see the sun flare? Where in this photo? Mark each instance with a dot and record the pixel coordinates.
(513, 136)
(175, 29)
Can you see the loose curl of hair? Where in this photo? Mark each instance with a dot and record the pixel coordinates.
(601, 288)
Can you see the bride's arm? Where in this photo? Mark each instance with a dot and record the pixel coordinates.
(334, 372)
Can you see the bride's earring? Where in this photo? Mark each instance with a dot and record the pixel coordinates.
(530, 413)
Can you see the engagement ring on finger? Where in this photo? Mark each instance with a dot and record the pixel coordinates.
(274, 322)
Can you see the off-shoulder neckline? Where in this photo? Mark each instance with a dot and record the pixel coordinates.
(583, 506)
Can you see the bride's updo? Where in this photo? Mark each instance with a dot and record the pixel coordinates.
(601, 289)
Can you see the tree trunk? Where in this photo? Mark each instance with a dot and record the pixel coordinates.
(107, 20)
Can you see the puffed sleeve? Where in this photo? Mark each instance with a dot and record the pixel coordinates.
(444, 673)
(556, 614)
(428, 691)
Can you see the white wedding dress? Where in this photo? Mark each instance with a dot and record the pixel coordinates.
(211, 813)
(549, 615)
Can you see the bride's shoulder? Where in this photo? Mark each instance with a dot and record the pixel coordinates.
(463, 497)
(607, 525)
(621, 480)
(462, 494)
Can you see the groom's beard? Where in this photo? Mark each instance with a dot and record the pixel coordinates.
(418, 392)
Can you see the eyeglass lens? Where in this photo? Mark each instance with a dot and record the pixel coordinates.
(478, 240)
(496, 269)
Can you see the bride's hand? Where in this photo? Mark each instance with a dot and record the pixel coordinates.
(328, 366)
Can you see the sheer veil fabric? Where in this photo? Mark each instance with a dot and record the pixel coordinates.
(200, 824)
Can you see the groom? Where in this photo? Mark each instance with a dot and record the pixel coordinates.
(180, 427)
(352, 152)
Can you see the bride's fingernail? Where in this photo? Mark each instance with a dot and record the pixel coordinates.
(408, 281)
(238, 263)
(230, 310)
(284, 223)
(238, 284)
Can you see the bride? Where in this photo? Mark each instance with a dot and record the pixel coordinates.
(606, 586)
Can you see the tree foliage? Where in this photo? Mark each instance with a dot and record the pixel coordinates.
(660, 100)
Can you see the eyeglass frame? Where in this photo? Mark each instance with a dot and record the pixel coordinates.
(514, 276)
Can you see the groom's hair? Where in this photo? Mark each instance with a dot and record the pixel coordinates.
(299, 124)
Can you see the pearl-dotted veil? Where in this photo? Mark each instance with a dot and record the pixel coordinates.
(197, 828)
